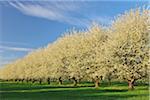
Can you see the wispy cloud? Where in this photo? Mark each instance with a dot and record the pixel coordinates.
(51, 11)
(1, 51)
(15, 48)
(5, 59)
(3, 63)
(10, 51)
(13, 43)
(58, 11)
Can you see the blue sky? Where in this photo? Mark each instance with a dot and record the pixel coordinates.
(28, 25)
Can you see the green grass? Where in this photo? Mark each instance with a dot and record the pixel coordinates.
(84, 91)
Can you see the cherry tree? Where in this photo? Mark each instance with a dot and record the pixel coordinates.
(129, 46)
(94, 57)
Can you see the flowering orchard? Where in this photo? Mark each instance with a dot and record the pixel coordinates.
(119, 52)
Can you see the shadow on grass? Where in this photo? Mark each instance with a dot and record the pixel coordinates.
(25, 86)
(18, 91)
(37, 87)
(76, 94)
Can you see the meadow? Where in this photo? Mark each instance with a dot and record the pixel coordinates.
(84, 91)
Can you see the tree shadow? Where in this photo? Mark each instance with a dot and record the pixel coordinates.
(66, 92)
(32, 87)
(13, 91)
(76, 94)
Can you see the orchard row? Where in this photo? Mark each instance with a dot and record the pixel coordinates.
(120, 51)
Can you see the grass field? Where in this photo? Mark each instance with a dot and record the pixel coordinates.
(84, 91)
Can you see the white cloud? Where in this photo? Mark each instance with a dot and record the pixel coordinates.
(1, 51)
(50, 11)
(9, 53)
(13, 43)
(16, 48)
(105, 20)
(58, 11)
(3, 63)
(7, 59)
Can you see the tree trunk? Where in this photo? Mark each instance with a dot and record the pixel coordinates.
(15, 80)
(40, 80)
(101, 78)
(74, 81)
(96, 82)
(33, 80)
(19, 80)
(60, 81)
(30, 80)
(109, 81)
(22, 80)
(48, 80)
(131, 84)
(27, 80)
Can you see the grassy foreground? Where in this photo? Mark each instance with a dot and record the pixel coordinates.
(84, 91)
